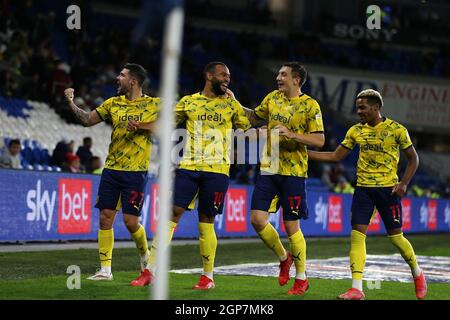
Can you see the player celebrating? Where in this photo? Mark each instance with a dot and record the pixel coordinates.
(203, 171)
(125, 175)
(298, 118)
(377, 185)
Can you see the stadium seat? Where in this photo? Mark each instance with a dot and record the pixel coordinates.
(36, 156)
(38, 167)
(27, 154)
(45, 156)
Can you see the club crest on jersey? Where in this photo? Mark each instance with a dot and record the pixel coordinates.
(210, 117)
(128, 117)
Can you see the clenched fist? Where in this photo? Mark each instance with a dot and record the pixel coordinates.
(69, 93)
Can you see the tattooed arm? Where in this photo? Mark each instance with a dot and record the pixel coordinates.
(87, 119)
(253, 118)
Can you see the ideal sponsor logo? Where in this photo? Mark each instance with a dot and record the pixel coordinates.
(334, 213)
(236, 210)
(41, 203)
(372, 147)
(280, 118)
(375, 223)
(74, 206)
(321, 212)
(210, 117)
(128, 117)
(406, 214)
(432, 214)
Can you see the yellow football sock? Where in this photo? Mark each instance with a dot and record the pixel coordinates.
(271, 239)
(357, 254)
(406, 249)
(151, 262)
(298, 250)
(208, 245)
(140, 239)
(105, 247)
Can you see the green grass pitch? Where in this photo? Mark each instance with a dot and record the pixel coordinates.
(42, 275)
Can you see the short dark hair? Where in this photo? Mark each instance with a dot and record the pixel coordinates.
(297, 71)
(87, 139)
(13, 141)
(211, 66)
(137, 71)
(372, 97)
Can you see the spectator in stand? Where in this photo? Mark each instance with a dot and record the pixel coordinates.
(96, 165)
(11, 157)
(343, 186)
(331, 175)
(73, 164)
(85, 154)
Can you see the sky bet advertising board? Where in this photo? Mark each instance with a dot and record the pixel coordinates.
(50, 206)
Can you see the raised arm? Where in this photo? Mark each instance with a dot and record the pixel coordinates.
(87, 119)
(413, 162)
(334, 156)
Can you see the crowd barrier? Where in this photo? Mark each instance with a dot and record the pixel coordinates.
(51, 206)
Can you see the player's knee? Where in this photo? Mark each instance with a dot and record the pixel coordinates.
(132, 225)
(258, 222)
(106, 222)
(177, 212)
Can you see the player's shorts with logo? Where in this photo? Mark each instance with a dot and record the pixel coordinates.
(366, 199)
(289, 190)
(122, 189)
(209, 187)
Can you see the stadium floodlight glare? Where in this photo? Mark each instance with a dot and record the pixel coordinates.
(171, 52)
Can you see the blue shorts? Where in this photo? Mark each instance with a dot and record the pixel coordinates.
(366, 199)
(209, 187)
(291, 193)
(122, 189)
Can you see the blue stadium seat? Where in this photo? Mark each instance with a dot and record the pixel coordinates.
(27, 154)
(45, 156)
(35, 144)
(38, 167)
(6, 141)
(24, 163)
(37, 156)
(56, 168)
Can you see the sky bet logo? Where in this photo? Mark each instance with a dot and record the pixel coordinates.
(74, 206)
(127, 117)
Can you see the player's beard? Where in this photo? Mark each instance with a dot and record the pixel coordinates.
(123, 89)
(217, 88)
